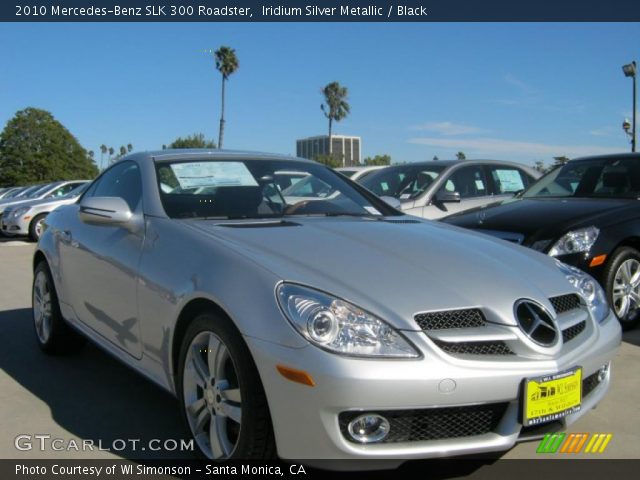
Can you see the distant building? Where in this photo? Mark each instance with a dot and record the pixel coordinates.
(344, 147)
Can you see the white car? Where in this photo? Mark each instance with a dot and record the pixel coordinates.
(356, 173)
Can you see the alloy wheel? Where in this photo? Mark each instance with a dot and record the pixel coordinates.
(212, 398)
(626, 289)
(42, 307)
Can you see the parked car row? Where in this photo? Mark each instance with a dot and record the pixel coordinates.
(268, 293)
(23, 209)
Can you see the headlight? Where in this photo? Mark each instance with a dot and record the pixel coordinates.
(589, 289)
(575, 241)
(340, 327)
(18, 212)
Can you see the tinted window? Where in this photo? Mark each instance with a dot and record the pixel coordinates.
(469, 182)
(122, 180)
(405, 182)
(507, 179)
(599, 177)
(63, 190)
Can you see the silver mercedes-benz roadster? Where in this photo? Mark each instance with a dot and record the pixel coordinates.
(317, 328)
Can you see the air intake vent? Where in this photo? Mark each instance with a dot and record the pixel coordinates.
(572, 332)
(474, 348)
(565, 303)
(435, 423)
(468, 318)
(388, 220)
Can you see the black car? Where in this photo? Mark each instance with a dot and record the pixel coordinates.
(587, 214)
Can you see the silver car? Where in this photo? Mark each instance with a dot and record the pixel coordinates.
(436, 189)
(38, 192)
(26, 218)
(326, 329)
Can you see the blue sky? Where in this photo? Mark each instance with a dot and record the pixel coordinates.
(510, 91)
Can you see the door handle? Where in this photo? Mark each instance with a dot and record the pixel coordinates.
(65, 236)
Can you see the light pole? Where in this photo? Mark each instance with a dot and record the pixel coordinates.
(630, 71)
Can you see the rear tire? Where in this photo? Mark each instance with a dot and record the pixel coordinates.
(221, 396)
(53, 334)
(35, 227)
(622, 280)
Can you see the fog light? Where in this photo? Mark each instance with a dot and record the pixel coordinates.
(368, 428)
(602, 373)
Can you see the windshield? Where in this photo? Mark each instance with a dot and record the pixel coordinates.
(595, 178)
(76, 191)
(26, 193)
(404, 182)
(254, 189)
(39, 191)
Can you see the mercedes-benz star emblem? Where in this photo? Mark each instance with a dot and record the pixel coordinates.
(536, 323)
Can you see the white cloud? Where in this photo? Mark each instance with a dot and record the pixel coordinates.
(502, 147)
(448, 128)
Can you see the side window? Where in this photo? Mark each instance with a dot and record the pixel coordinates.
(508, 180)
(123, 180)
(63, 190)
(469, 182)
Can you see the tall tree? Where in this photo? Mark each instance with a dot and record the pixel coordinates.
(129, 147)
(539, 166)
(196, 140)
(227, 64)
(35, 147)
(111, 152)
(103, 150)
(123, 150)
(335, 106)
(435, 158)
(461, 156)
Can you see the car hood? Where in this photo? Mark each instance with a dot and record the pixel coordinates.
(545, 217)
(396, 270)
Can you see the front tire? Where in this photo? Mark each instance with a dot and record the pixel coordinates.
(221, 396)
(622, 280)
(35, 227)
(53, 334)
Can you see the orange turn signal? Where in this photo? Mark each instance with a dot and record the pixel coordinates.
(298, 376)
(599, 260)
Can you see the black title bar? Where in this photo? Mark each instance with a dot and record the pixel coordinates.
(320, 11)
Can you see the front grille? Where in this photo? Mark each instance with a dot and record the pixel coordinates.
(474, 348)
(572, 332)
(468, 318)
(434, 423)
(565, 303)
(589, 384)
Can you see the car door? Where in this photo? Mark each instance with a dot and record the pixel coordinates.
(99, 262)
(470, 182)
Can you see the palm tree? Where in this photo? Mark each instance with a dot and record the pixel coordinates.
(336, 108)
(111, 151)
(226, 64)
(103, 150)
(129, 147)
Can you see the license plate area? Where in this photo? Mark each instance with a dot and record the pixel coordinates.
(552, 397)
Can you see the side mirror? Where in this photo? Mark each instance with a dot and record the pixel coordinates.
(105, 210)
(448, 197)
(392, 202)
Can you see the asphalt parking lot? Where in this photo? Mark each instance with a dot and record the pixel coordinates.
(92, 396)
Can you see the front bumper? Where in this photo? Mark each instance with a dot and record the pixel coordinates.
(14, 226)
(306, 419)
